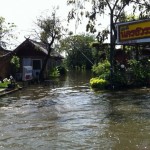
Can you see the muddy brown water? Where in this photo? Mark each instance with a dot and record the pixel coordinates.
(68, 115)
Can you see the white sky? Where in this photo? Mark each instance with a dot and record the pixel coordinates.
(23, 13)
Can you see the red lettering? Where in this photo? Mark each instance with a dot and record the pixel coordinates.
(139, 31)
(135, 33)
(146, 30)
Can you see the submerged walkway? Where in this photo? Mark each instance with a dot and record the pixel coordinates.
(6, 91)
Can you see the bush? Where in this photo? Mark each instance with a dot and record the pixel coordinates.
(139, 71)
(4, 84)
(54, 72)
(102, 69)
(98, 83)
(57, 71)
(61, 70)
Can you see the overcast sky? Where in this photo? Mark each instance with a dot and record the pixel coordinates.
(23, 13)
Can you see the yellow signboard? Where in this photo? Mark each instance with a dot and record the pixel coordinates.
(134, 31)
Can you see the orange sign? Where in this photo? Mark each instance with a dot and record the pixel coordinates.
(131, 31)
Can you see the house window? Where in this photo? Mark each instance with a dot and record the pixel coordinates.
(27, 62)
(36, 64)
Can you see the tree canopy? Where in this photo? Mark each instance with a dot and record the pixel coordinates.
(6, 32)
(50, 29)
(116, 11)
(78, 51)
(97, 8)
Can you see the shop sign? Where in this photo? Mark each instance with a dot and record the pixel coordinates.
(133, 32)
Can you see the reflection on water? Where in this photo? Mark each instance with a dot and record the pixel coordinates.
(69, 115)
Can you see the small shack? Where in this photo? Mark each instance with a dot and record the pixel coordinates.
(5, 56)
(31, 53)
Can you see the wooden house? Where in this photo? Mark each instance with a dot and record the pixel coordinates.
(5, 56)
(32, 53)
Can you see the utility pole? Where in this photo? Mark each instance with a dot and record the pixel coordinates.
(111, 50)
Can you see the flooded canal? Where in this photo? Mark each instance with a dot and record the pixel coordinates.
(68, 115)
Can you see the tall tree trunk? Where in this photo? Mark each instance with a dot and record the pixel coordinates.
(41, 75)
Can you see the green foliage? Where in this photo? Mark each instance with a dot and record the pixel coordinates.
(4, 84)
(15, 61)
(57, 71)
(98, 8)
(102, 69)
(119, 76)
(97, 83)
(124, 17)
(50, 28)
(62, 70)
(139, 70)
(100, 51)
(6, 32)
(50, 31)
(136, 74)
(54, 72)
(78, 51)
